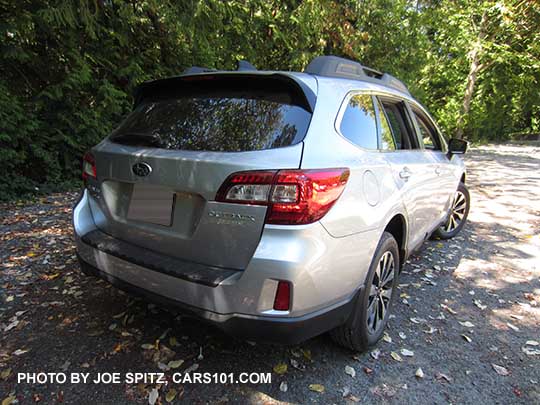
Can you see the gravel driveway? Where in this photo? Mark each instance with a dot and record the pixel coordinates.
(468, 316)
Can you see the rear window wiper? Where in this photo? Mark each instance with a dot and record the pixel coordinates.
(137, 139)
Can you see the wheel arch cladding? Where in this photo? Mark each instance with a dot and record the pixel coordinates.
(397, 227)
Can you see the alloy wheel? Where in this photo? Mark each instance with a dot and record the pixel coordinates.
(380, 293)
(459, 206)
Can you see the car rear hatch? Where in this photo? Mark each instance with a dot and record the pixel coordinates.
(157, 175)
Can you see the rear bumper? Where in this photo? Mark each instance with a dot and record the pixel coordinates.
(325, 274)
(266, 329)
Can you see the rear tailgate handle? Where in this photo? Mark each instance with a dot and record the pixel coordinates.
(405, 173)
(438, 170)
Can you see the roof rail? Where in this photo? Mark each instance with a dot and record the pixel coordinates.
(333, 66)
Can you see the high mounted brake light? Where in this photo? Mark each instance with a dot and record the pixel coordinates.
(293, 197)
(89, 166)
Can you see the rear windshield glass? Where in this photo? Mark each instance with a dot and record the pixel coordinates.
(227, 120)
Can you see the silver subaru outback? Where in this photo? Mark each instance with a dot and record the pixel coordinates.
(275, 205)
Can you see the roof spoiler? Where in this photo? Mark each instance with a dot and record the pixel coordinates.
(333, 66)
(203, 80)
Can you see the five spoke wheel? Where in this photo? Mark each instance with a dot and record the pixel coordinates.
(380, 292)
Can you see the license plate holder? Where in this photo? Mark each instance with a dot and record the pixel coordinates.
(151, 204)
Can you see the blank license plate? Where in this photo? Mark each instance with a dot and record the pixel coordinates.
(152, 204)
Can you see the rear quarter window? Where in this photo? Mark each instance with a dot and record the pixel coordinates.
(358, 123)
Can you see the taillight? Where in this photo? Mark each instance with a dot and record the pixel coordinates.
(89, 166)
(293, 197)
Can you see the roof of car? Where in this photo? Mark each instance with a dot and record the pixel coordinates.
(322, 66)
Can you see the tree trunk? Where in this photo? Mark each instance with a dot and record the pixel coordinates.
(474, 69)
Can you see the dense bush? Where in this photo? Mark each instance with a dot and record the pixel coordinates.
(68, 66)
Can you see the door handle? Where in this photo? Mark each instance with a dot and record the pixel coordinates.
(438, 170)
(405, 173)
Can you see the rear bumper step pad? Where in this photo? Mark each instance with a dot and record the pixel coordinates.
(189, 271)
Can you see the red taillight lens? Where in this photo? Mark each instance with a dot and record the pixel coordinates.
(282, 302)
(294, 197)
(89, 166)
(316, 192)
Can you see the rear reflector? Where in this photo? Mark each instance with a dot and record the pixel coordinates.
(282, 301)
(89, 166)
(293, 197)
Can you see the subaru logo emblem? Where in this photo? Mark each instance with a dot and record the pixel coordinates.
(141, 169)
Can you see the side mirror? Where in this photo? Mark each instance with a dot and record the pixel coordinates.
(457, 146)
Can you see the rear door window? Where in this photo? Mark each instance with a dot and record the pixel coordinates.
(400, 125)
(220, 118)
(358, 123)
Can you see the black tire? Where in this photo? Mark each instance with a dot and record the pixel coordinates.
(448, 229)
(356, 334)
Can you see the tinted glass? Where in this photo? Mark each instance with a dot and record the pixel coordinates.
(427, 133)
(358, 123)
(398, 120)
(215, 123)
(387, 138)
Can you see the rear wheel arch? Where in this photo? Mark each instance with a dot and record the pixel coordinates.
(397, 227)
(463, 178)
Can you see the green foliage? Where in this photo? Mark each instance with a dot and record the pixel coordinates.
(68, 67)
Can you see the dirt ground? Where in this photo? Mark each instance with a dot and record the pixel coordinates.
(468, 316)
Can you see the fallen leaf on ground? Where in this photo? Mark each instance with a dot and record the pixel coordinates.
(375, 354)
(316, 387)
(352, 398)
(532, 343)
(500, 370)
(175, 363)
(407, 353)
(368, 370)
(18, 352)
(5, 374)
(350, 371)
(280, 368)
(513, 327)
(191, 368)
(419, 373)
(444, 306)
(396, 356)
(9, 400)
(153, 396)
(148, 346)
(386, 337)
(283, 386)
(171, 394)
(479, 304)
(443, 377)
(468, 339)
(530, 351)
(467, 324)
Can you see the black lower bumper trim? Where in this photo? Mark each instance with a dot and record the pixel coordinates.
(264, 329)
(189, 271)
